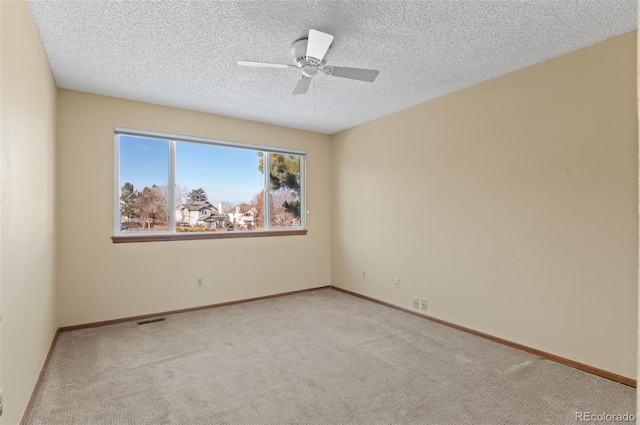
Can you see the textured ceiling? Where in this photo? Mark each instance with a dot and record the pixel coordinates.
(183, 53)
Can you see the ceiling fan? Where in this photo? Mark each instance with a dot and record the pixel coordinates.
(309, 55)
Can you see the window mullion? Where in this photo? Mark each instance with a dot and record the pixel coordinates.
(117, 219)
(267, 194)
(303, 192)
(172, 186)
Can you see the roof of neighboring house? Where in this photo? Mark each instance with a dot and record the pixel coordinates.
(197, 206)
(245, 208)
(214, 217)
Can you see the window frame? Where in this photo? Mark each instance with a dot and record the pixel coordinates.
(171, 234)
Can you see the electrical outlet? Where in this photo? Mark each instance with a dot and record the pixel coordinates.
(423, 304)
(199, 282)
(364, 274)
(396, 282)
(416, 303)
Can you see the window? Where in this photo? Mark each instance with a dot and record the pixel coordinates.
(175, 185)
(284, 190)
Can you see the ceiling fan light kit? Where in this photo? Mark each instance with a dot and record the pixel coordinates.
(309, 56)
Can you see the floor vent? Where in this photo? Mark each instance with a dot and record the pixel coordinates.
(144, 322)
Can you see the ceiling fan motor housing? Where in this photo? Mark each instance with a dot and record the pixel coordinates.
(308, 64)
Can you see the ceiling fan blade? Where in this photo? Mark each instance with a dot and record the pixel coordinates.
(265, 64)
(302, 86)
(318, 44)
(352, 73)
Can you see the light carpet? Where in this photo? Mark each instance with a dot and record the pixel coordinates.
(319, 357)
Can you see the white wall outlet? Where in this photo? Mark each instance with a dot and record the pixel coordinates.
(396, 282)
(364, 274)
(199, 282)
(423, 304)
(416, 303)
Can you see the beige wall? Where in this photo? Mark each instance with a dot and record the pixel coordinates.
(99, 280)
(511, 206)
(27, 207)
(638, 110)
